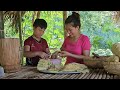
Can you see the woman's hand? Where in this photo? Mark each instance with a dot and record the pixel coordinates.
(55, 54)
(65, 54)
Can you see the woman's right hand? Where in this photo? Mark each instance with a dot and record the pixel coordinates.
(55, 54)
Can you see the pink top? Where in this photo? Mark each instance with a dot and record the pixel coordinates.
(83, 43)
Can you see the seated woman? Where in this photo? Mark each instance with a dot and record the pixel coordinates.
(76, 46)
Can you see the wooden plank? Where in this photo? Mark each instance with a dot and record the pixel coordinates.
(30, 73)
(87, 74)
(101, 74)
(98, 74)
(116, 77)
(83, 74)
(94, 74)
(9, 75)
(78, 76)
(31, 76)
(90, 74)
(53, 76)
(104, 75)
(45, 76)
(108, 75)
(22, 71)
(20, 76)
(72, 76)
(111, 76)
(68, 76)
(62, 76)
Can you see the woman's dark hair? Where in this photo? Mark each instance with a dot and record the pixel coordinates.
(40, 23)
(74, 19)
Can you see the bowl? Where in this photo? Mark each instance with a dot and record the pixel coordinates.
(56, 61)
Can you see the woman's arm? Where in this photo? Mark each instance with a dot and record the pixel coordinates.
(86, 54)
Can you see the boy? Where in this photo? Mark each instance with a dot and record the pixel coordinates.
(35, 47)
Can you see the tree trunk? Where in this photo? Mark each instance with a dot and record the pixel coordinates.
(1, 25)
(64, 18)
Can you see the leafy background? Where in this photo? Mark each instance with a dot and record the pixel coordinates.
(97, 25)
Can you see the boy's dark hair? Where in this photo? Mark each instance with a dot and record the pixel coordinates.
(74, 19)
(40, 23)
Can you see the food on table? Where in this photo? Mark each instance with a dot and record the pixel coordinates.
(75, 67)
(43, 64)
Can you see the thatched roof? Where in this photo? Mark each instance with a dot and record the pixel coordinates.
(14, 15)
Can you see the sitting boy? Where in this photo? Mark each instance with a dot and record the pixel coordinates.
(35, 47)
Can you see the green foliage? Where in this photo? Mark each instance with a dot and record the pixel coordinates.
(97, 25)
(100, 28)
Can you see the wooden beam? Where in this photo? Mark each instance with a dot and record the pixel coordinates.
(64, 18)
(1, 25)
(36, 14)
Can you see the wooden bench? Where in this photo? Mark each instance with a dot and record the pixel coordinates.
(32, 73)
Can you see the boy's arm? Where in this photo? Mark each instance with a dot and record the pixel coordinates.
(48, 51)
(28, 53)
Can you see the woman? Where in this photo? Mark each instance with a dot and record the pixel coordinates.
(76, 46)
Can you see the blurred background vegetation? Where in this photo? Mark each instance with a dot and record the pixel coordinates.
(97, 25)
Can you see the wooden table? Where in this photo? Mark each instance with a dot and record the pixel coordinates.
(33, 73)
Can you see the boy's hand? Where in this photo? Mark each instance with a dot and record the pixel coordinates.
(43, 55)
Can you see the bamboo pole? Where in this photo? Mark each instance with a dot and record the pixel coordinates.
(64, 18)
(20, 37)
(1, 25)
(33, 18)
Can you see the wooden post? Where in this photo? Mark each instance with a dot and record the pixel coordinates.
(34, 13)
(64, 18)
(38, 14)
(20, 37)
(1, 25)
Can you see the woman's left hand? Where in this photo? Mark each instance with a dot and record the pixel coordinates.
(65, 54)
